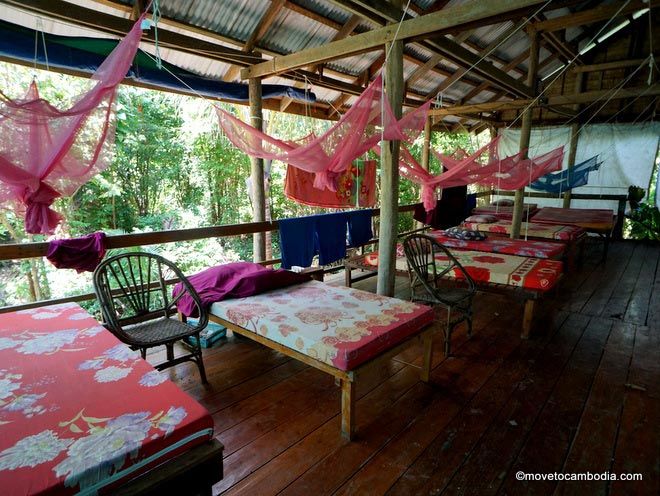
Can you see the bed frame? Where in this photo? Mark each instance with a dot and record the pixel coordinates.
(192, 472)
(528, 296)
(347, 379)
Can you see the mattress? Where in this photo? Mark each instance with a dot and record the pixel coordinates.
(80, 411)
(340, 326)
(528, 273)
(590, 219)
(519, 247)
(531, 229)
(505, 212)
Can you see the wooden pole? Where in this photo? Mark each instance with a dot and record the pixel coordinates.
(389, 172)
(526, 130)
(575, 128)
(257, 174)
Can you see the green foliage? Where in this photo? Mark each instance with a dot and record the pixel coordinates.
(149, 157)
(645, 222)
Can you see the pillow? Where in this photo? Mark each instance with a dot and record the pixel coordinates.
(464, 234)
(482, 219)
(503, 203)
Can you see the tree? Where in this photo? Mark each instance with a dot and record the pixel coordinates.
(149, 156)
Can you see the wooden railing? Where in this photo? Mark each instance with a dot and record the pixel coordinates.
(34, 250)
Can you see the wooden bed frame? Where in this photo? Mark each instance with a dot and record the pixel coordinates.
(192, 472)
(529, 296)
(347, 379)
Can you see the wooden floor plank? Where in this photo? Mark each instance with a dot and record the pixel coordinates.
(550, 438)
(638, 307)
(594, 282)
(471, 364)
(618, 303)
(483, 470)
(616, 267)
(593, 445)
(435, 467)
(562, 401)
(638, 443)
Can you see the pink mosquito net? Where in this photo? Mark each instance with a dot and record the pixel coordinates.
(484, 167)
(46, 153)
(328, 155)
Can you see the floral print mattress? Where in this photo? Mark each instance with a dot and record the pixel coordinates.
(520, 247)
(524, 272)
(340, 326)
(79, 410)
(531, 229)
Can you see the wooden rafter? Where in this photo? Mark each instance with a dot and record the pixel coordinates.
(411, 28)
(591, 16)
(586, 97)
(257, 33)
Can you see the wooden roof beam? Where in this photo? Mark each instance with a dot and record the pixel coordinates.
(412, 28)
(603, 13)
(587, 97)
(257, 33)
(382, 13)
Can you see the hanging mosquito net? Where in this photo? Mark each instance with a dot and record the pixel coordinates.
(558, 182)
(369, 120)
(46, 152)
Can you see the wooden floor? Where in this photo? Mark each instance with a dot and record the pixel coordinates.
(583, 395)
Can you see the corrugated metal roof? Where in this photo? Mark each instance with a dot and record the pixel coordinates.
(232, 22)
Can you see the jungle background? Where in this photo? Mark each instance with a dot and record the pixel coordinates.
(172, 169)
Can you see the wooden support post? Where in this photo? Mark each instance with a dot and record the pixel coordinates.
(347, 409)
(389, 172)
(526, 129)
(575, 128)
(257, 174)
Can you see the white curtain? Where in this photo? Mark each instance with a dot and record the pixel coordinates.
(628, 153)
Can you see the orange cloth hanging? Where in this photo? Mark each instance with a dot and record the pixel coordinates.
(299, 186)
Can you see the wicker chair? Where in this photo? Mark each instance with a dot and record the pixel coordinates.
(134, 297)
(426, 283)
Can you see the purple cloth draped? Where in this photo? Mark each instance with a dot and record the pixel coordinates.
(82, 254)
(234, 280)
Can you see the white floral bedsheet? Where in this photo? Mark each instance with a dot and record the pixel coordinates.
(340, 326)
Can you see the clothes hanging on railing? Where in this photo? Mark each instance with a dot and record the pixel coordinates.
(369, 120)
(567, 179)
(82, 254)
(46, 153)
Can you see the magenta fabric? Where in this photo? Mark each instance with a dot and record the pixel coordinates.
(328, 155)
(46, 152)
(234, 280)
(82, 254)
(484, 167)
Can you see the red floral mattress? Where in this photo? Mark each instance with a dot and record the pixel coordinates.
(520, 247)
(586, 218)
(524, 272)
(531, 229)
(79, 410)
(505, 212)
(340, 326)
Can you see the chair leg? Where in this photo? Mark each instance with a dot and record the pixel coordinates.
(200, 361)
(143, 352)
(170, 351)
(448, 334)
